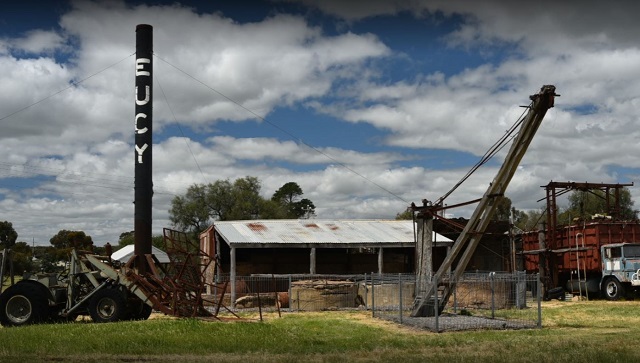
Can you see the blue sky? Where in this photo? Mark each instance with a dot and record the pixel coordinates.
(368, 105)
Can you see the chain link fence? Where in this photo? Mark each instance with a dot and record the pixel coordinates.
(478, 300)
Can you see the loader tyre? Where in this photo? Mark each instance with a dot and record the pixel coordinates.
(140, 311)
(108, 305)
(612, 289)
(23, 304)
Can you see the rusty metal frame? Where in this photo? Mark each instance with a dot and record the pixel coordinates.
(179, 289)
(556, 189)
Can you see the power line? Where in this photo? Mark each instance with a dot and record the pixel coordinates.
(72, 84)
(181, 132)
(291, 135)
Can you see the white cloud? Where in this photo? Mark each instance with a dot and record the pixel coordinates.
(38, 42)
(289, 151)
(79, 141)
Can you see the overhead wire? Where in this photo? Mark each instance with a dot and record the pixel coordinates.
(493, 150)
(72, 177)
(281, 129)
(184, 137)
(71, 84)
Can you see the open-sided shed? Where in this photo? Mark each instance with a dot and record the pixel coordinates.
(311, 246)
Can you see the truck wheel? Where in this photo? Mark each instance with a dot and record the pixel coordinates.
(612, 289)
(108, 305)
(23, 304)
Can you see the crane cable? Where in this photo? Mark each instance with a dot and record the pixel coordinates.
(509, 135)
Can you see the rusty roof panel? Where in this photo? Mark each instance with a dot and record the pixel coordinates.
(318, 231)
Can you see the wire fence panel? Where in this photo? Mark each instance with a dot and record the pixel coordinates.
(482, 300)
(478, 301)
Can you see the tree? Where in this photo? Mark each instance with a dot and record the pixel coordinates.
(407, 214)
(584, 204)
(72, 239)
(127, 238)
(288, 193)
(193, 210)
(22, 257)
(221, 201)
(288, 196)
(240, 200)
(529, 220)
(8, 235)
(304, 209)
(248, 203)
(503, 209)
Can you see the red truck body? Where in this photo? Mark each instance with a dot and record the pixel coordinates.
(580, 242)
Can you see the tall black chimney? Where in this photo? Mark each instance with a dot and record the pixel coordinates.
(143, 183)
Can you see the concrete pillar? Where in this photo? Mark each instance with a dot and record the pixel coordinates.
(312, 261)
(380, 260)
(232, 276)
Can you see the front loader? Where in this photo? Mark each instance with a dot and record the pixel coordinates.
(90, 285)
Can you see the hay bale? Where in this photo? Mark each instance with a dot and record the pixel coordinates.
(323, 294)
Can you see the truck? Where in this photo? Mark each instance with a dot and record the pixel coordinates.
(620, 269)
(90, 285)
(596, 257)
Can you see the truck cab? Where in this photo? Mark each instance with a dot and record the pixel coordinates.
(620, 269)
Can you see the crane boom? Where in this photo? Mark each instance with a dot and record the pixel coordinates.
(467, 241)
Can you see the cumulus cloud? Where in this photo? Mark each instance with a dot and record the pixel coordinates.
(67, 127)
(39, 42)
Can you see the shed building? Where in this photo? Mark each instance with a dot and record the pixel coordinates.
(313, 247)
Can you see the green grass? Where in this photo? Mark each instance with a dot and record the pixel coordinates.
(573, 332)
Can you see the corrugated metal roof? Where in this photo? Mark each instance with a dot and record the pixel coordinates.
(313, 231)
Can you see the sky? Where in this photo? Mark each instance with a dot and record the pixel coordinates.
(367, 105)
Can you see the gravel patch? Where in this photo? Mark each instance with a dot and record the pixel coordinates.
(453, 322)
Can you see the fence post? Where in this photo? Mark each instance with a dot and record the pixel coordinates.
(290, 292)
(493, 293)
(455, 297)
(436, 309)
(366, 290)
(400, 297)
(373, 297)
(539, 293)
(298, 299)
(517, 289)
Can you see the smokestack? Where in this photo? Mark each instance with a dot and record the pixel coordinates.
(143, 184)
